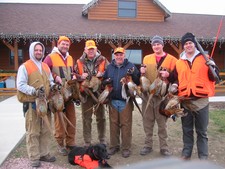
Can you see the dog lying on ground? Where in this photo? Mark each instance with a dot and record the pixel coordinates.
(93, 157)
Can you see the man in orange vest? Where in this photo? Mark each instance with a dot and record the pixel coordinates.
(32, 75)
(91, 63)
(193, 80)
(151, 69)
(61, 65)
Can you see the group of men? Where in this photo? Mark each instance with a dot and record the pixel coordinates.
(190, 77)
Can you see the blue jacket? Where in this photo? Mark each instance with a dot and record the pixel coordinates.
(116, 73)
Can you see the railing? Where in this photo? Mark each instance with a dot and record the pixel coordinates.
(220, 87)
(4, 91)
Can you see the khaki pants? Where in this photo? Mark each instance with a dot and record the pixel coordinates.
(37, 135)
(121, 122)
(87, 112)
(152, 114)
(61, 137)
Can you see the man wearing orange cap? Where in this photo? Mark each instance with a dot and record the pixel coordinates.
(91, 63)
(61, 65)
(120, 111)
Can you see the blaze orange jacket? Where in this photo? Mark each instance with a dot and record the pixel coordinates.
(194, 80)
(61, 68)
(86, 162)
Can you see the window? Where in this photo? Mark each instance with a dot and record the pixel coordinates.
(127, 8)
(20, 56)
(134, 56)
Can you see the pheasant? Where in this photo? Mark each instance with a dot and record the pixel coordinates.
(56, 104)
(157, 88)
(102, 99)
(129, 88)
(42, 107)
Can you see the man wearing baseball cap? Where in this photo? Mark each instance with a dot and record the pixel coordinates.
(120, 111)
(91, 63)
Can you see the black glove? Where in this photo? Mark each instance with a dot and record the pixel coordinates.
(130, 71)
(106, 82)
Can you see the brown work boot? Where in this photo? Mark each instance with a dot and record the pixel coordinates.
(145, 150)
(35, 163)
(62, 150)
(165, 152)
(69, 148)
(48, 158)
(113, 150)
(126, 153)
(185, 158)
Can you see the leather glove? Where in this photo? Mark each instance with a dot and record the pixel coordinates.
(58, 80)
(173, 88)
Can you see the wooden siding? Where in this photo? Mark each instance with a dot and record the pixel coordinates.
(108, 10)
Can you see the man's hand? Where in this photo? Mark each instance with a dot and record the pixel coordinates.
(143, 69)
(164, 73)
(84, 76)
(34, 92)
(99, 74)
(173, 88)
(210, 62)
(58, 80)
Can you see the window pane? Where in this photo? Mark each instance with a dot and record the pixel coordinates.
(127, 8)
(127, 5)
(127, 13)
(20, 56)
(133, 55)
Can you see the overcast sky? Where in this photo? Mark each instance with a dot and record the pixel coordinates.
(214, 7)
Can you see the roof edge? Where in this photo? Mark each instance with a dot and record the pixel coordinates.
(89, 5)
(168, 13)
(99, 37)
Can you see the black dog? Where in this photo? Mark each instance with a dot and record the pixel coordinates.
(96, 154)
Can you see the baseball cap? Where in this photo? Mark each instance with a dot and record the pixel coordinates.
(90, 44)
(119, 50)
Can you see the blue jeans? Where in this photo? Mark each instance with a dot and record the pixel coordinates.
(119, 105)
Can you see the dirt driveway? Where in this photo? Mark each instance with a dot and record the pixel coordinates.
(18, 158)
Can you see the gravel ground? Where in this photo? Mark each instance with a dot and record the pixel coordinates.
(18, 158)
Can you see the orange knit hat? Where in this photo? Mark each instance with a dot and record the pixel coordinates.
(63, 38)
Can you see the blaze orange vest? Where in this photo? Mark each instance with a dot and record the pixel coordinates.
(35, 79)
(150, 61)
(60, 68)
(86, 162)
(194, 80)
(80, 65)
